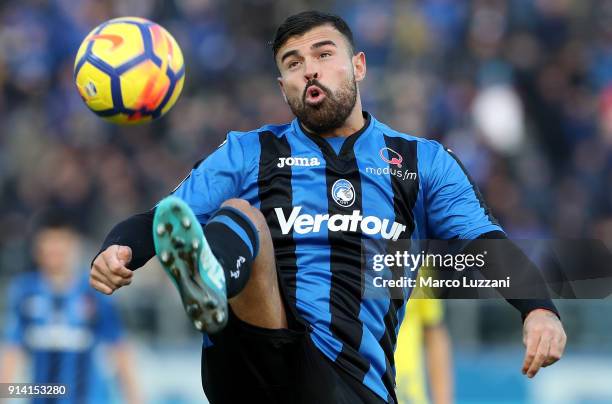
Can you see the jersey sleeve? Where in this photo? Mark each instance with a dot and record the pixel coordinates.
(13, 331)
(215, 179)
(432, 311)
(454, 206)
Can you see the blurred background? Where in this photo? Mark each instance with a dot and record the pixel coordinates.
(521, 90)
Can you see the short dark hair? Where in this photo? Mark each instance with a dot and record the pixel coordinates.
(54, 218)
(300, 23)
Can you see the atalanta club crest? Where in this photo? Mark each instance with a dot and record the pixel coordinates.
(343, 193)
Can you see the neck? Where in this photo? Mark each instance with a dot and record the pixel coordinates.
(59, 280)
(353, 123)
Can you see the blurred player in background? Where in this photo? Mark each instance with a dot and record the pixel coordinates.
(423, 355)
(56, 323)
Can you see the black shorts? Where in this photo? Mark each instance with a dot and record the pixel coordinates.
(249, 364)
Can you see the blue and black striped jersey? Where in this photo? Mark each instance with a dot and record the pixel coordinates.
(60, 333)
(320, 200)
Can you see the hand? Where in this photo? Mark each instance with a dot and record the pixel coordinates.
(544, 339)
(108, 271)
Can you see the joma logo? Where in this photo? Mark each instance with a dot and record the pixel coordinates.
(298, 161)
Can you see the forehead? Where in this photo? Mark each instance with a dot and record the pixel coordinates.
(317, 34)
(60, 234)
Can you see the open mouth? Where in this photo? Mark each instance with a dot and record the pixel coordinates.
(314, 95)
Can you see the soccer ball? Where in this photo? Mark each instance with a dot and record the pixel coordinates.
(129, 70)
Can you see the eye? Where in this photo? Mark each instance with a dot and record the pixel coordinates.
(293, 64)
(325, 55)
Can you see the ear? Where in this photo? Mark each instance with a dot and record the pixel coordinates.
(359, 66)
(280, 84)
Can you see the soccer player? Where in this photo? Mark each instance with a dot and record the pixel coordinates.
(57, 321)
(423, 355)
(284, 210)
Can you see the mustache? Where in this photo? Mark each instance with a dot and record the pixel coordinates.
(315, 82)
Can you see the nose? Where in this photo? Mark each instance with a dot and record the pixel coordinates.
(311, 72)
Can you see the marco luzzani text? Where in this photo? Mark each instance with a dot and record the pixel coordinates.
(404, 260)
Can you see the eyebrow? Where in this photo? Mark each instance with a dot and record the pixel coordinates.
(316, 45)
(290, 53)
(322, 43)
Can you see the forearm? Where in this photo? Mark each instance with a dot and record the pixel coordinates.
(439, 364)
(11, 359)
(135, 232)
(126, 375)
(505, 259)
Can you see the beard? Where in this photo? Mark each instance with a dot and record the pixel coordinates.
(331, 112)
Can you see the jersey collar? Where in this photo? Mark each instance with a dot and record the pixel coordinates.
(348, 144)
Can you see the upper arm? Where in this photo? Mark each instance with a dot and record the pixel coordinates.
(215, 179)
(454, 206)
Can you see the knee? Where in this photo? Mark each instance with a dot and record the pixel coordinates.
(250, 211)
(241, 204)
